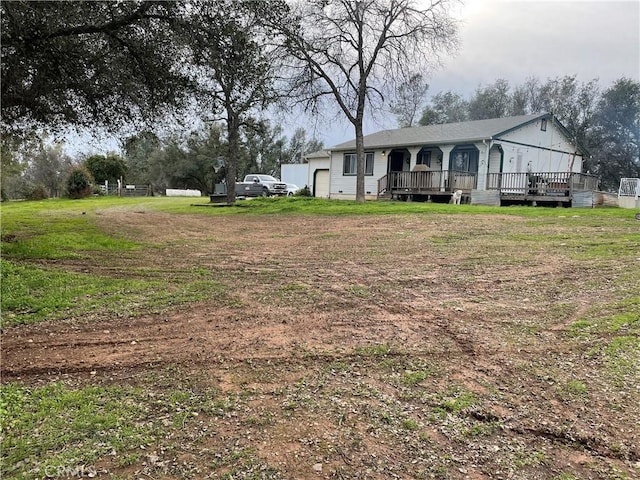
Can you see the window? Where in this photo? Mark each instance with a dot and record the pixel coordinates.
(464, 159)
(543, 124)
(350, 166)
(424, 158)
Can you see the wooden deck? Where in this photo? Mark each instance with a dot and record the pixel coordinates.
(541, 187)
(425, 183)
(530, 187)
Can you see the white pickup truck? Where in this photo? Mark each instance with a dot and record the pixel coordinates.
(257, 184)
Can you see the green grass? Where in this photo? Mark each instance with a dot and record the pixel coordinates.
(316, 206)
(622, 356)
(48, 429)
(31, 294)
(459, 401)
(575, 388)
(305, 206)
(58, 238)
(414, 378)
(56, 229)
(54, 426)
(611, 318)
(37, 234)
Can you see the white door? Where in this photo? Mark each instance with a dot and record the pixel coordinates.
(322, 184)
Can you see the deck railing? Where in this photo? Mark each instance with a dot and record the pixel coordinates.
(426, 181)
(542, 183)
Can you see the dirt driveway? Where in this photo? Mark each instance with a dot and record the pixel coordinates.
(409, 346)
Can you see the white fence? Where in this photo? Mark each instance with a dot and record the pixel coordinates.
(177, 192)
(629, 193)
(122, 190)
(629, 187)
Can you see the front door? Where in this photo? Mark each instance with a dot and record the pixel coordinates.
(463, 167)
(398, 161)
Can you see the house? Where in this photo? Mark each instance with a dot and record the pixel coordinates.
(530, 158)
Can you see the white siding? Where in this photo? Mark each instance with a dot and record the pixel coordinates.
(343, 187)
(494, 160)
(532, 146)
(296, 173)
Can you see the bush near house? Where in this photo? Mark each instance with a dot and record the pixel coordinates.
(79, 182)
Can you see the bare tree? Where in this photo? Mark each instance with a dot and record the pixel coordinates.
(350, 51)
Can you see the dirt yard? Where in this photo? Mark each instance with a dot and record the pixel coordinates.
(366, 347)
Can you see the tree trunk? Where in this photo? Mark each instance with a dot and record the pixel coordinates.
(233, 137)
(360, 161)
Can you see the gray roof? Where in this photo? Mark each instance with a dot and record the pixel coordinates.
(318, 154)
(445, 133)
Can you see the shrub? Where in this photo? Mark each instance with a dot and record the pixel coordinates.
(37, 192)
(303, 192)
(79, 182)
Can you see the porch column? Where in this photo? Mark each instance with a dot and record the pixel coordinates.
(483, 164)
(413, 156)
(446, 162)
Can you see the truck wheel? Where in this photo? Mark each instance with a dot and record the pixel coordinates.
(265, 192)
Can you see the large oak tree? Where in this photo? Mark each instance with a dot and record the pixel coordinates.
(86, 63)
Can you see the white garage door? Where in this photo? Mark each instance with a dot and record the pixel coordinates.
(322, 183)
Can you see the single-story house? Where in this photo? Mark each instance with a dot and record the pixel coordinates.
(528, 157)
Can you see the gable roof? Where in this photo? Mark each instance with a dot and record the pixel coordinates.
(462, 132)
(317, 154)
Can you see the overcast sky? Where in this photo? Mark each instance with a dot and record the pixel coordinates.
(516, 39)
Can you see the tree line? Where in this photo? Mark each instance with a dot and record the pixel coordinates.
(604, 121)
(195, 160)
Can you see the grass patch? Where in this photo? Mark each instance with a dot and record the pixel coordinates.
(414, 378)
(55, 230)
(574, 389)
(622, 316)
(410, 424)
(458, 401)
(309, 206)
(31, 294)
(53, 427)
(623, 357)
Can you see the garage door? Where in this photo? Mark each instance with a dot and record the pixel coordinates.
(321, 184)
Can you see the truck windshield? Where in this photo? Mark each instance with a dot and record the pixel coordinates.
(267, 178)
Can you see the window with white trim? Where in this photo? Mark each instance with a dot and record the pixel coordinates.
(350, 165)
